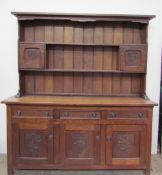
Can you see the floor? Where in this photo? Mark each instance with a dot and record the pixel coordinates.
(156, 169)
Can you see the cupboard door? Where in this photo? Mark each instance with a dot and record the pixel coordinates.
(80, 144)
(32, 142)
(125, 145)
(32, 56)
(133, 58)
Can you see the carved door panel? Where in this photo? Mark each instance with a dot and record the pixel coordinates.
(80, 144)
(33, 142)
(125, 145)
(133, 58)
(32, 56)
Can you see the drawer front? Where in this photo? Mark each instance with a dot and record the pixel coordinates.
(129, 113)
(79, 114)
(32, 113)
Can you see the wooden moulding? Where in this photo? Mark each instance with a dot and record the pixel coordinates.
(83, 17)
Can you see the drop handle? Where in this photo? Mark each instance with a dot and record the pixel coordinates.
(18, 113)
(94, 114)
(114, 114)
(47, 113)
(140, 114)
(108, 138)
(66, 114)
(97, 138)
(50, 136)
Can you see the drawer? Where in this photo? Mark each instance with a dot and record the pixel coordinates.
(131, 113)
(79, 114)
(32, 113)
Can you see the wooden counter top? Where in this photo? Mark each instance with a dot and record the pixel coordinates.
(79, 101)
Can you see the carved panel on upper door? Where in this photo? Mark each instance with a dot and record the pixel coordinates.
(133, 58)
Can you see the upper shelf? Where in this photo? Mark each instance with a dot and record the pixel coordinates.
(81, 44)
(81, 71)
(73, 44)
(83, 17)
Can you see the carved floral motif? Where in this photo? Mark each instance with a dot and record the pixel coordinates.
(125, 143)
(32, 54)
(78, 145)
(133, 58)
(35, 143)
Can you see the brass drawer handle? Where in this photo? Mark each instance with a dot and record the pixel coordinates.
(47, 113)
(94, 114)
(18, 113)
(114, 114)
(140, 114)
(66, 114)
(97, 138)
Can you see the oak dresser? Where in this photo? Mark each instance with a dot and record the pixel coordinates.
(82, 102)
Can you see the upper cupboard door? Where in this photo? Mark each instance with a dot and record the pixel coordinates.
(125, 145)
(32, 56)
(80, 145)
(132, 58)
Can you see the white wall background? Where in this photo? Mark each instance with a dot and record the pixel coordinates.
(9, 35)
